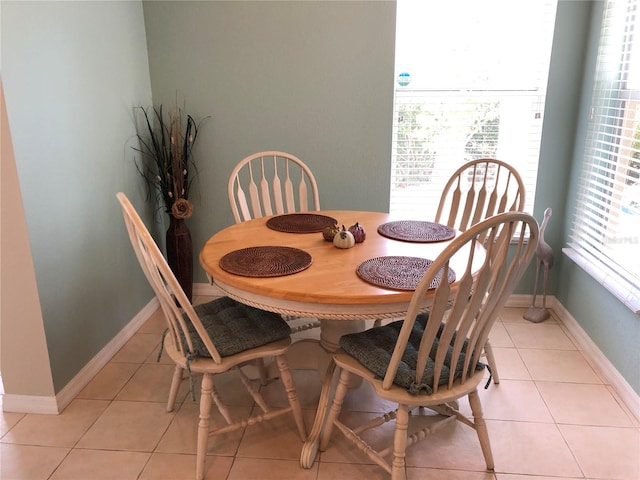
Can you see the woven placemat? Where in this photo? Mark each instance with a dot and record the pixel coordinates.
(416, 231)
(300, 222)
(398, 273)
(266, 261)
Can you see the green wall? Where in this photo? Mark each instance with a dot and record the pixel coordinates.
(613, 327)
(314, 78)
(72, 72)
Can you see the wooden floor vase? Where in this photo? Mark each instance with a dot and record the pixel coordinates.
(180, 253)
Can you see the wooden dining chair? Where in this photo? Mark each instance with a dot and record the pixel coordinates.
(478, 190)
(271, 183)
(211, 339)
(432, 358)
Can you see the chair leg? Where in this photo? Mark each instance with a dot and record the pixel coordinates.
(398, 471)
(481, 428)
(262, 371)
(287, 381)
(203, 425)
(336, 406)
(491, 360)
(175, 385)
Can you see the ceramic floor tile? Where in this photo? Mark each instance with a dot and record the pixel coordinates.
(138, 348)
(583, 404)
(62, 430)
(101, 465)
(8, 420)
(558, 366)
(340, 450)
(531, 448)
(308, 387)
(454, 447)
(167, 466)
(539, 335)
(635, 419)
(264, 469)
(277, 438)
(510, 365)
(506, 476)
(181, 436)
(499, 336)
(109, 381)
(136, 426)
(364, 399)
(164, 358)
(341, 471)
(433, 474)
(26, 462)
(605, 452)
(516, 400)
(545, 379)
(151, 383)
(156, 323)
(229, 386)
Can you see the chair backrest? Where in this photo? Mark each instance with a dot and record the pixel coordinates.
(480, 189)
(466, 309)
(271, 183)
(165, 285)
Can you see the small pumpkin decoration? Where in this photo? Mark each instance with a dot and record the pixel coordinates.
(358, 232)
(328, 233)
(344, 239)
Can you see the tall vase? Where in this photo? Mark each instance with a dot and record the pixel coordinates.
(180, 253)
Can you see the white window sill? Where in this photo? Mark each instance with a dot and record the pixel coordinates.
(619, 286)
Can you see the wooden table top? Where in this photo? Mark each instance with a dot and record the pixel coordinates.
(330, 287)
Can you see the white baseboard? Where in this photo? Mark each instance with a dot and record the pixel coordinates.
(597, 359)
(30, 404)
(519, 300)
(91, 369)
(206, 289)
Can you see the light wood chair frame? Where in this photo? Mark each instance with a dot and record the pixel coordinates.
(176, 306)
(468, 309)
(268, 194)
(461, 208)
(276, 183)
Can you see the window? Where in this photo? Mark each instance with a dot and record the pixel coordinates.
(605, 237)
(469, 84)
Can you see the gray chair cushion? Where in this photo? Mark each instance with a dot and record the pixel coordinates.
(374, 347)
(234, 327)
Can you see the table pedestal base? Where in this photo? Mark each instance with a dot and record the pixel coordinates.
(312, 354)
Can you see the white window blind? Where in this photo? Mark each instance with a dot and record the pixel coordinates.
(605, 238)
(470, 83)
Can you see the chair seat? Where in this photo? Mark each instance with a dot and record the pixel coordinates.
(373, 349)
(234, 327)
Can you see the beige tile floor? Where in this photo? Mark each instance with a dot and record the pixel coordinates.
(552, 417)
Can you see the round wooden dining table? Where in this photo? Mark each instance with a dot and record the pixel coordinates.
(330, 288)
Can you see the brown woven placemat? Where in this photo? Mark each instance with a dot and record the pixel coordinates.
(300, 222)
(398, 272)
(416, 231)
(265, 261)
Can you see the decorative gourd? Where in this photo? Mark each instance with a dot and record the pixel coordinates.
(358, 232)
(344, 239)
(328, 233)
